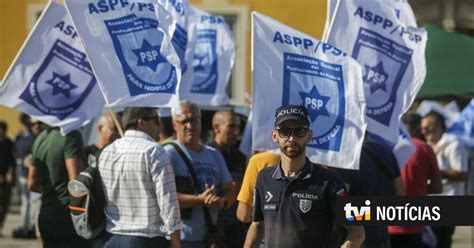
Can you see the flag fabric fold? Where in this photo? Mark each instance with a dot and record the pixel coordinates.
(402, 9)
(211, 51)
(130, 49)
(178, 9)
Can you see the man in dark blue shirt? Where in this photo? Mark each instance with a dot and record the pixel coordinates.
(226, 126)
(294, 201)
(378, 175)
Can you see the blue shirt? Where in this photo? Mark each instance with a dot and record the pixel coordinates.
(211, 169)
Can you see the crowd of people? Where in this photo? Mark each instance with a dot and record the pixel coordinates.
(163, 187)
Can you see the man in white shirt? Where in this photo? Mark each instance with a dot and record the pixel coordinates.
(138, 179)
(452, 161)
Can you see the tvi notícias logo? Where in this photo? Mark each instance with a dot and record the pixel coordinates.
(392, 213)
(362, 213)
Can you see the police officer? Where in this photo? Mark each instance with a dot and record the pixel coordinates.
(294, 200)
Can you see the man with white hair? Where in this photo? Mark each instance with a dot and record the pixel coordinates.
(201, 201)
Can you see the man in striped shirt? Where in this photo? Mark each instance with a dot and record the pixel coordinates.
(138, 180)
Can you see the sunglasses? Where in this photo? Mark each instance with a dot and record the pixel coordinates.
(188, 120)
(152, 118)
(298, 132)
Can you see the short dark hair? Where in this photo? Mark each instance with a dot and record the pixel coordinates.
(437, 118)
(3, 125)
(412, 121)
(166, 126)
(132, 114)
(25, 119)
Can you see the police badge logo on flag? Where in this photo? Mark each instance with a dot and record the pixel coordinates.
(138, 60)
(178, 9)
(212, 52)
(392, 56)
(129, 47)
(51, 78)
(290, 67)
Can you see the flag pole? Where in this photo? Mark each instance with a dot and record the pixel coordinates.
(333, 18)
(112, 113)
(117, 123)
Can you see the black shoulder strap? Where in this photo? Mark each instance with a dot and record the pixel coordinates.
(95, 157)
(188, 164)
(207, 214)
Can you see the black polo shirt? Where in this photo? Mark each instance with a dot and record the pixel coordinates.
(298, 211)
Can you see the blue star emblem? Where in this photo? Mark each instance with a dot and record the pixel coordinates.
(200, 58)
(315, 103)
(375, 77)
(149, 55)
(61, 84)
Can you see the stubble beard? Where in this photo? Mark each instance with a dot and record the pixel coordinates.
(296, 151)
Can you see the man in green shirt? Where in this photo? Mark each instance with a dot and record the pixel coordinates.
(56, 159)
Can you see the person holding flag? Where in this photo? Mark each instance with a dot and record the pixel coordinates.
(300, 217)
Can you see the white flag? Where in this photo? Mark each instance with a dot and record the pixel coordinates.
(178, 9)
(290, 67)
(403, 149)
(129, 47)
(212, 51)
(51, 78)
(392, 56)
(402, 9)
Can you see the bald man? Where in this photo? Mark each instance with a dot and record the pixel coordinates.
(107, 131)
(226, 126)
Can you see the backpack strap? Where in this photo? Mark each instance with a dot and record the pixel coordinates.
(195, 181)
(93, 160)
(187, 162)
